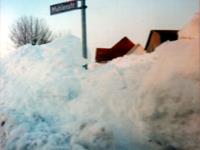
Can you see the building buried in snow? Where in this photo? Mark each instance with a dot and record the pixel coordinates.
(126, 46)
(119, 49)
(156, 37)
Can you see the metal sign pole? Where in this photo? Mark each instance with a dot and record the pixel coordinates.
(69, 6)
(84, 28)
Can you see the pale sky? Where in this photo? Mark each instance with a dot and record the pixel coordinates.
(108, 20)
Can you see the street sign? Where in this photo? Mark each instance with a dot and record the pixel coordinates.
(63, 7)
(72, 5)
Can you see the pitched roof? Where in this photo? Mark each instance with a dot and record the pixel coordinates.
(156, 37)
(119, 49)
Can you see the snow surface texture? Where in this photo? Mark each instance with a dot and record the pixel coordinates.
(136, 102)
(192, 29)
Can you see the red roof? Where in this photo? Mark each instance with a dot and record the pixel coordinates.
(119, 49)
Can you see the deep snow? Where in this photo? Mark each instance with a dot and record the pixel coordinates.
(136, 102)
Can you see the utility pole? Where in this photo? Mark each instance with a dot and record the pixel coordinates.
(84, 28)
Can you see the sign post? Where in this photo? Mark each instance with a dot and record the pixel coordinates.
(84, 28)
(73, 5)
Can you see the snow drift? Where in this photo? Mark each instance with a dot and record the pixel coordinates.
(191, 30)
(170, 94)
(136, 102)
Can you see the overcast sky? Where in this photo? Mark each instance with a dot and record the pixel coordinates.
(108, 20)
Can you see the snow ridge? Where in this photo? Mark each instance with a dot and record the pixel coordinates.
(141, 102)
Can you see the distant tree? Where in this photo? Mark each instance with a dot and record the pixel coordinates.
(30, 30)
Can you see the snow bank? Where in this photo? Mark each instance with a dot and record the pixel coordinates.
(140, 102)
(170, 93)
(170, 99)
(192, 29)
(36, 83)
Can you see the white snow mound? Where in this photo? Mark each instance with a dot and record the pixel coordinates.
(192, 29)
(136, 102)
